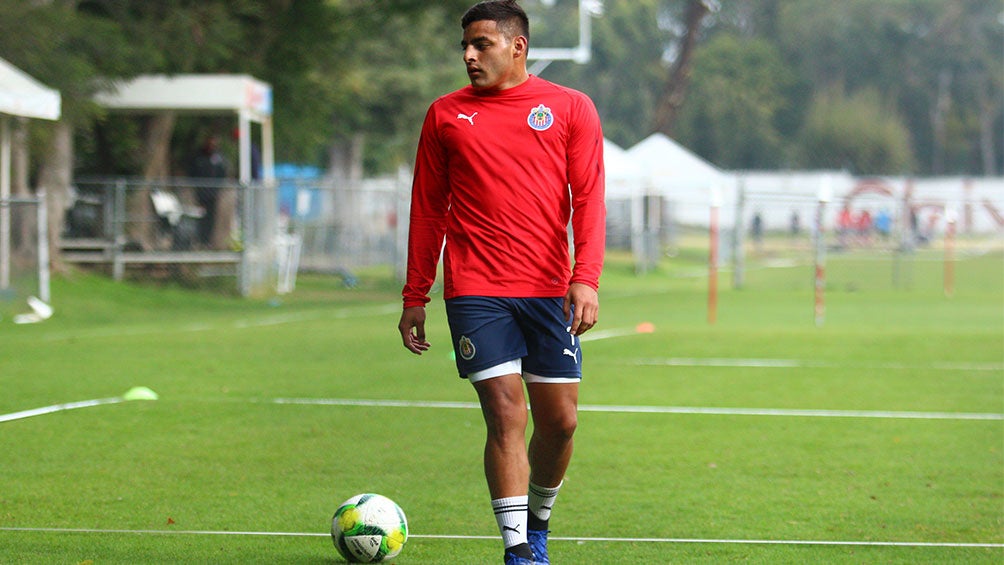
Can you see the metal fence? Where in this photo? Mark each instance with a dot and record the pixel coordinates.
(250, 238)
(254, 239)
(24, 273)
(196, 233)
(768, 216)
(344, 227)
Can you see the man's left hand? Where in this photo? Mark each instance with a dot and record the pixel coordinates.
(582, 304)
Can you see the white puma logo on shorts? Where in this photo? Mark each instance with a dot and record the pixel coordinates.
(572, 354)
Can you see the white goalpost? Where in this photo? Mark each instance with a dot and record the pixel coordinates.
(581, 53)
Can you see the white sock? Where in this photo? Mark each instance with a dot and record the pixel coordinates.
(510, 513)
(541, 500)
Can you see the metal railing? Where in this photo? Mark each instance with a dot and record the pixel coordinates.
(24, 258)
(186, 229)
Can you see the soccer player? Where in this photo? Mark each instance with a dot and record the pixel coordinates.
(502, 166)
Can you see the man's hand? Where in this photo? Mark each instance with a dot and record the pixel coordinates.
(412, 328)
(586, 307)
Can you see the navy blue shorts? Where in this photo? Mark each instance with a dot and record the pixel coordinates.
(499, 336)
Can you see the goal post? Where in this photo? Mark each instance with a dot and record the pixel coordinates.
(580, 53)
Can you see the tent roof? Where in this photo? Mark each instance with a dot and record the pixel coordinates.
(21, 95)
(193, 93)
(623, 175)
(616, 161)
(665, 161)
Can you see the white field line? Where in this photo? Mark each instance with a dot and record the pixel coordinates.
(784, 363)
(666, 409)
(692, 410)
(59, 408)
(256, 322)
(808, 364)
(607, 334)
(553, 538)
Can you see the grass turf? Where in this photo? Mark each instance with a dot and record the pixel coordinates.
(217, 454)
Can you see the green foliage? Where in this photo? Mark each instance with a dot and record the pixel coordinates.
(905, 50)
(857, 133)
(400, 62)
(66, 50)
(918, 54)
(736, 101)
(341, 69)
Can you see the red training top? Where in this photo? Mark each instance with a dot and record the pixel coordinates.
(498, 175)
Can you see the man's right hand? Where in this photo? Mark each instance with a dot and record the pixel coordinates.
(412, 328)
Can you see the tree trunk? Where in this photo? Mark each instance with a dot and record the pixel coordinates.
(939, 121)
(157, 152)
(989, 110)
(346, 172)
(19, 179)
(19, 158)
(55, 177)
(675, 90)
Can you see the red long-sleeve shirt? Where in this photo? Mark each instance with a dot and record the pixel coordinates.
(498, 175)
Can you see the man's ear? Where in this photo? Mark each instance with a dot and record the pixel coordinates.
(519, 46)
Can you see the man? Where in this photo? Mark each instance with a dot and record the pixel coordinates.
(501, 166)
(209, 163)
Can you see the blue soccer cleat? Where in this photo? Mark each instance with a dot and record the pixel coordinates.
(513, 559)
(538, 544)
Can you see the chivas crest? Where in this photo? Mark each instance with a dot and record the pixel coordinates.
(540, 118)
(466, 348)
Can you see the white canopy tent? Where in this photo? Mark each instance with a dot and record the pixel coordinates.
(250, 99)
(655, 185)
(623, 176)
(20, 96)
(674, 171)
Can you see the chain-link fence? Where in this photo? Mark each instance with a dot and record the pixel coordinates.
(23, 255)
(256, 238)
(344, 227)
(776, 219)
(198, 233)
(251, 238)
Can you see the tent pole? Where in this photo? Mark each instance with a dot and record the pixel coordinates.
(244, 148)
(5, 227)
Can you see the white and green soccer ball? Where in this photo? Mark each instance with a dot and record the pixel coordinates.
(369, 528)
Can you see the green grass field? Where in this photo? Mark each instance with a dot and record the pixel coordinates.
(875, 438)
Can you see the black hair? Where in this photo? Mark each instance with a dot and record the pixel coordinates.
(507, 15)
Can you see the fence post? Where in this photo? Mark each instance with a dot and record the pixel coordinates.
(43, 248)
(5, 217)
(716, 198)
(121, 216)
(949, 277)
(244, 263)
(738, 233)
(825, 193)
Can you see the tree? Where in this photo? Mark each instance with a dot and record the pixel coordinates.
(932, 59)
(675, 89)
(381, 86)
(67, 51)
(739, 93)
(858, 133)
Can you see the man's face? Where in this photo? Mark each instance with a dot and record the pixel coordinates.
(490, 58)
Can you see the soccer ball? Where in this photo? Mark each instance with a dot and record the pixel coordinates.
(369, 528)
